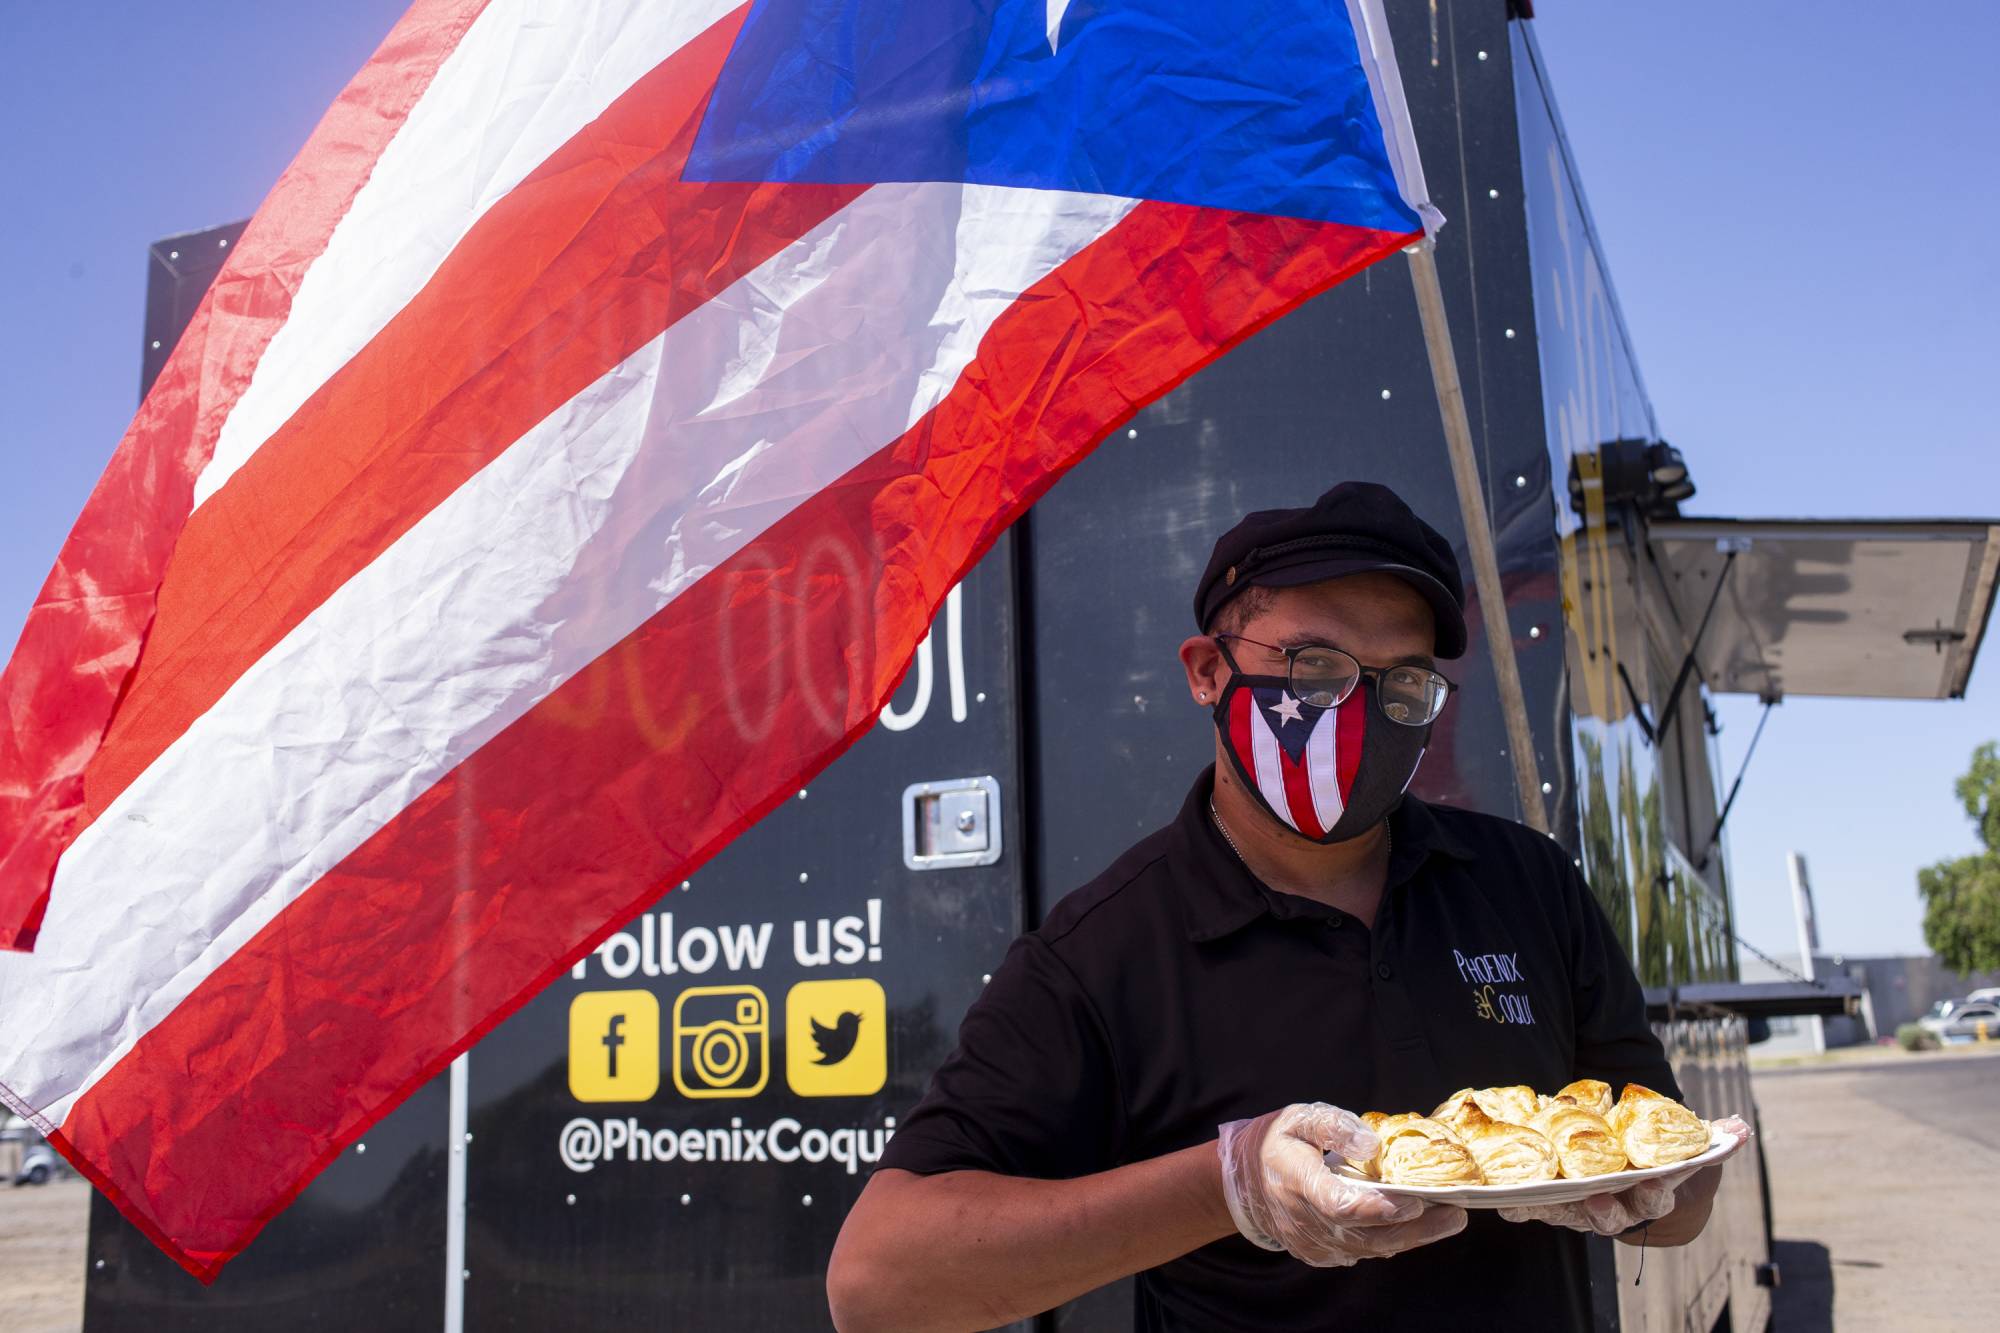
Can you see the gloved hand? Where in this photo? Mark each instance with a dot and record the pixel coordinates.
(1614, 1214)
(1283, 1196)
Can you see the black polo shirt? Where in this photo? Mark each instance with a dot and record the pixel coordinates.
(1176, 992)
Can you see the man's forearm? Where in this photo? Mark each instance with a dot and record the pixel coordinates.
(971, 1250)
(1692, 1204)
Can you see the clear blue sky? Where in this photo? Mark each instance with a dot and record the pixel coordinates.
(1797, 203)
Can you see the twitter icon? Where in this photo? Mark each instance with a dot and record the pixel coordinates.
(836, 1038)
(836, 1043)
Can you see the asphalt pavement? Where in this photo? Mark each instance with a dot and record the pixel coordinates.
(1885, 1179)
(43, 1230)
(1961, 1098)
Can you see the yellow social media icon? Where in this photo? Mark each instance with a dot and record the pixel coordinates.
(614, 1046)
(837, 1038)
(722, 1041)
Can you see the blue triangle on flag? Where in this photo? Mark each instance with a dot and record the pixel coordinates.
(1290, 719)
(1262, 108)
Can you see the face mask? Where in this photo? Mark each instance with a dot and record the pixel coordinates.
(1328, 774)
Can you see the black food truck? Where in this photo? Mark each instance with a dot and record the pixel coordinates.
(661, 1140)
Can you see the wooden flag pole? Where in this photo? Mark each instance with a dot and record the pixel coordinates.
(1478, 532)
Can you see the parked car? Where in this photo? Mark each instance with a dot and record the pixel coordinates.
(1962, 1021)
(1985, 995)
(40, 1164)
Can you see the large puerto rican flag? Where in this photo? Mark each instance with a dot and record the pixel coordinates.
(587, 357)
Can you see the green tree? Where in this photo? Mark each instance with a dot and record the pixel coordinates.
(1962, 897)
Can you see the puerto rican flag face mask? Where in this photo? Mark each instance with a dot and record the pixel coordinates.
(1328, 774)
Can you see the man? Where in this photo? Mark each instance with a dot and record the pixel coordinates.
(1151, 1078)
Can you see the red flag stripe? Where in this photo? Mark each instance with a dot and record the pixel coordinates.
(530, 74)
(98, 602)
(1241, 705)
(361, 989)
(1265, 764)
(1298, 787)
(589, 259)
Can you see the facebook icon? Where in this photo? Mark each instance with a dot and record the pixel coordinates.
(614, 1046)
(613, 1038)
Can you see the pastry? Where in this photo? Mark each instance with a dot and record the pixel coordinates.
(1514, 1136)
(1589, 1093)
(1583, 1142)
(1372, 1119)
(1656, 1130)
(1507, 1153)
(1417, 1150)
(1452, 1107)
(1516, 1105)
(1394, 1125)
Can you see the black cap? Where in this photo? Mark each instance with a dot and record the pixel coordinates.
(1357, 527)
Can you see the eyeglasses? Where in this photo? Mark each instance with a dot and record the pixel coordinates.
(1324, 676)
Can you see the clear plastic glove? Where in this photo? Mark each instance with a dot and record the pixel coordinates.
(1283, 1196)
(1615, 1214)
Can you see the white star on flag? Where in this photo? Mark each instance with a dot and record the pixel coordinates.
(1287, 709)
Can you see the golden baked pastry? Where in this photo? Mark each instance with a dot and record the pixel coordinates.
(1372, 1119)
(1589, 1093)
(1417, 1150)
(1452, 1107)
(1515, 1136)
(1515, 1106)
(1393, 1125)
(1583, 1142)
(1507, 1153)
(1656, 1130)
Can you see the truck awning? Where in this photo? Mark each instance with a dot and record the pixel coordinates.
(1847, 608)
(1832, 997)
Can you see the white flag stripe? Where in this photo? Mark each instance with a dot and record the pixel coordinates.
(527, 75)
(1322, 770)
(1378, 62)
(1267, 760)
(541, 562)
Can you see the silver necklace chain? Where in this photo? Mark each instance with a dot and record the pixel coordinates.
(1223, 829)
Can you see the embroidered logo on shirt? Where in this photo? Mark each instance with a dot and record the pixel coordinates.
(1485, 973)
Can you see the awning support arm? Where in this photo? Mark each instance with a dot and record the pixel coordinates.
(1638, 707)
(1694, 648)
(1737, 785)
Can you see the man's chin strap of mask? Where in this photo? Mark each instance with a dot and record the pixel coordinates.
(1328, 774)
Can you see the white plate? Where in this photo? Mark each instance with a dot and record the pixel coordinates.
(1543, 1191)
